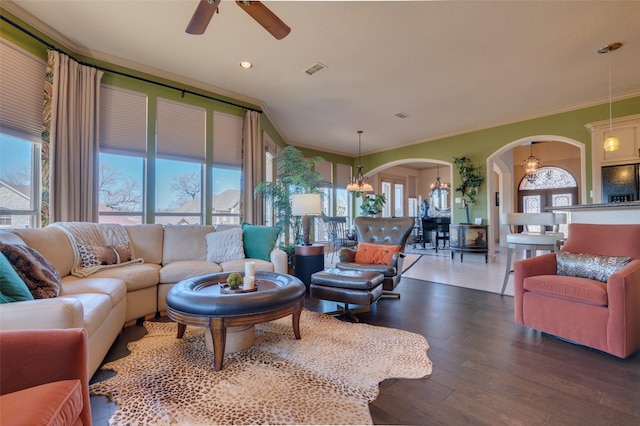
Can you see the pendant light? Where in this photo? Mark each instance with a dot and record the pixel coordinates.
(359, 182)
(611, 143)
(531, 166)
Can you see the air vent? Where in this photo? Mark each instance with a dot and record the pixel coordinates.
(314, 69)
(402, 115)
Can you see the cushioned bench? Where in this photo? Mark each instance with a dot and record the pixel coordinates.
(355, 287)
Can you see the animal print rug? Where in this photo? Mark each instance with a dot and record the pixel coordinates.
(327, 377)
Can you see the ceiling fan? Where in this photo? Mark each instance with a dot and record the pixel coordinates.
(258, 11)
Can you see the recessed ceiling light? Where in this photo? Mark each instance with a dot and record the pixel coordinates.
(246, 65)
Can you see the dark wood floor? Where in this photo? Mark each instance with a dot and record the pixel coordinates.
(486, 369)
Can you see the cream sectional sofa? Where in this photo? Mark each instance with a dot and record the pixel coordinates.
(109, 299)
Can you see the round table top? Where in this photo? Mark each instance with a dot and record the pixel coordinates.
(201, 296)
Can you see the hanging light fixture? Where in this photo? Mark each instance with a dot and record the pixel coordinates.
(359, 182)
(438, 183)
(611, 143)
(531, 166)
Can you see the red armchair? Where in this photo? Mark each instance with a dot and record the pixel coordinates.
(44, 377)
(604, 316)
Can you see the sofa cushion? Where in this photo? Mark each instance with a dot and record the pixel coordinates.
(380, 254)
(12, 287)
(146, 241)
(259, 241)
(39, 275)
(575, 289)
(115, 288)
(55, 403)
(178, 271)
(185, 242)
(591, 266)
(223, 246)
(53, 244)
(136, 276)
(96, 308)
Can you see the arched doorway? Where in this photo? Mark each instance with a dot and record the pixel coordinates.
(502, 179)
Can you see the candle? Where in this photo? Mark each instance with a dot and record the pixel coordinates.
(248, 283)
(249, 269)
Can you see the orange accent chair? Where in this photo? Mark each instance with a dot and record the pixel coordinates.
(593, 313)
(44, 377)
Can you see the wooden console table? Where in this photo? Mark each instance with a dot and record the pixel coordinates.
(468, 238)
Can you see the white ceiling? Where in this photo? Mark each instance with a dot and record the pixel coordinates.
(452, 66)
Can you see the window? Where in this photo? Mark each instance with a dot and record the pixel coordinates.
(123, 150)
(553, 187)
(121, 189)
(180, 162)
(269, 176)
(19, 182)
(21, 87)
(393, 189)
(227, 168)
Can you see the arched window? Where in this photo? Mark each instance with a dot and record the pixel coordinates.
(553, 187)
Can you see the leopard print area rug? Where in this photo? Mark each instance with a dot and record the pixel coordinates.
(327, 377)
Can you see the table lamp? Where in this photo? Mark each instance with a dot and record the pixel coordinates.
(306, 205)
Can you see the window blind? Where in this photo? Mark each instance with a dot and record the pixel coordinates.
(22, 78)
(123, 121)
(227, 139)
(326, 170)
(343, 175)
(180, 131)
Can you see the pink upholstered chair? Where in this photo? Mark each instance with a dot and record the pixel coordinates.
(600, 315)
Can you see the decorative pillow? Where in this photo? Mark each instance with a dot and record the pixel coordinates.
(259, 241)
(223, 246)
(12, 288)
(375, 253)
(41, 278)
(104, 255)
(591, 266)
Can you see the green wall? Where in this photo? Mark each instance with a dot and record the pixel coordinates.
(477, 145)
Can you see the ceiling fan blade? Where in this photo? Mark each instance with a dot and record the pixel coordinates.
(201, 17)
(266, 18)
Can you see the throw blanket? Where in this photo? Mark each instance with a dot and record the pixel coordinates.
(97, 246)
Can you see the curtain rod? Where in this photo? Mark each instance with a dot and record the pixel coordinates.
(146, 80)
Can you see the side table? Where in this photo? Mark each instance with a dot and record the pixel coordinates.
(308, 260)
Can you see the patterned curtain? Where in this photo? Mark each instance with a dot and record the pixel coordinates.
(45, 148)
(70, 151)
(251, 166)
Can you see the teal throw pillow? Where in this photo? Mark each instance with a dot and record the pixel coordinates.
(259, 241)
(12, 287)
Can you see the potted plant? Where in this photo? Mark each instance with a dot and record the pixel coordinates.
(471, 178)
(372, 205)
(296, 175)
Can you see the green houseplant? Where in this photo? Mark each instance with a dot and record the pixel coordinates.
(471, 178)
(296, 175)
(372, 205)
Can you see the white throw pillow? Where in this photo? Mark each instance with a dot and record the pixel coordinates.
(225, 245)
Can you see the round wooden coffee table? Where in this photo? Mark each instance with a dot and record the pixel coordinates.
(200, 302)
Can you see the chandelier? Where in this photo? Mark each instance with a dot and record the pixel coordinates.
(611, 143)
(438, 183)
(359, 182)
(531, 166)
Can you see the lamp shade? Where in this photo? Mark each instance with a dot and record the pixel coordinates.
(305, 204)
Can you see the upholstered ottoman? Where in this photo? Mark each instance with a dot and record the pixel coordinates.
(355, 287)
